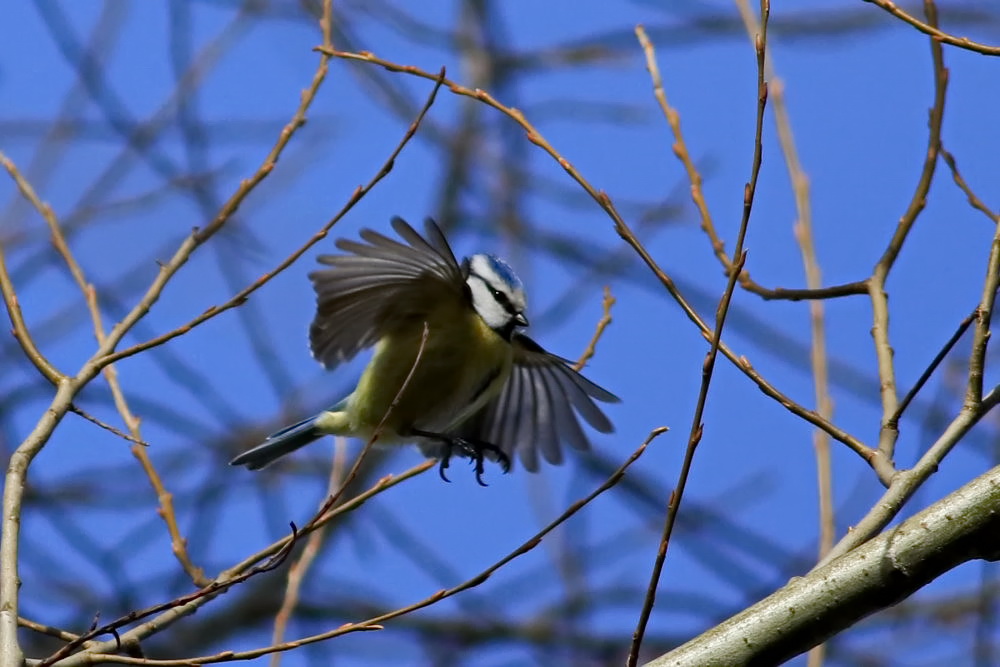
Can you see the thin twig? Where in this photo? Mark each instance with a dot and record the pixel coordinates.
(888, 434)
(974, 200)
(588, 353)
(907, 482)
(930, 28)
(107, 427)
(381, 485)
(680, 149)
(376, 434)
(297, 571)
(708, 367)
(9, 292)
(41, 628)
(199, 236)
(799, 182)
(981, 333)
(802, 229)
(963, 326)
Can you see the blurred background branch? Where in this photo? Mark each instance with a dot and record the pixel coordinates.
(127, 125)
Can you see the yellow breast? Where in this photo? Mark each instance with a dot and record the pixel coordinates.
(462, 366)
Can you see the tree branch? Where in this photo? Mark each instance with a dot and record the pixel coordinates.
(963, 526)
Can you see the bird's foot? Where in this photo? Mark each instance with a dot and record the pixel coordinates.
(474, 450)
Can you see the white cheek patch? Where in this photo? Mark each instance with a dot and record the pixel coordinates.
(482, 300)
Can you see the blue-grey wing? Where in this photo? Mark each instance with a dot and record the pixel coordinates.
(536, 411)
(378, 285)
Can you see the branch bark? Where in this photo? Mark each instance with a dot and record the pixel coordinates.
(961, 527)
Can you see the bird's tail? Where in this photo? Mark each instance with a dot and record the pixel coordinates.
(282, 442)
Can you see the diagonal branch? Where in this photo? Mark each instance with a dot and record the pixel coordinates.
(930, 28)
(808, 610)
(708, 367)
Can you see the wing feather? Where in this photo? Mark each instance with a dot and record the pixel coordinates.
(537, 408)
(547, 420)
(378, 284)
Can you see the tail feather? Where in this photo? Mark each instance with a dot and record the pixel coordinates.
(282, 442)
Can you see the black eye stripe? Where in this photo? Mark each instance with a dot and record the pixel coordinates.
(500, 297)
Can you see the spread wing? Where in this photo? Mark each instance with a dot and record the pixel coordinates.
(380, 284)
(538, 406)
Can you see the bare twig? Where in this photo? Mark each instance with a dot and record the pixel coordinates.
(876, 284)
(9, 293)
(107, 427)
(297, 571)
(386, 482)
(812, 292)
(963, 326)
(937, 35)
(376, 434)
(981, 333)
(905, 483)
(165, 499)
(814, 279)
(199, 236)
(974, 200)
(588, 353)
(41, 628)
(708, 367)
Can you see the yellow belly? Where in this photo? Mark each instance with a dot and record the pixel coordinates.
(463, 365)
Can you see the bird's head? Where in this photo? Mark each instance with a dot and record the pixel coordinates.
(497, 294)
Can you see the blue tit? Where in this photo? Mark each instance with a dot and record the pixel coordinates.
(480, 387)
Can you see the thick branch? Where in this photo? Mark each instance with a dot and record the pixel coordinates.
(962, 527)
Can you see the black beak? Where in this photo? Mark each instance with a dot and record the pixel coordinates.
(521, 320)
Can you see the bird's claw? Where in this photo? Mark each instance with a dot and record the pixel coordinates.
(444, 464)
(475, 451)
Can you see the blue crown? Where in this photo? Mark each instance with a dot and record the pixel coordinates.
(503, 270)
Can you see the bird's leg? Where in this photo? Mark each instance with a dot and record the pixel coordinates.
(472, 448)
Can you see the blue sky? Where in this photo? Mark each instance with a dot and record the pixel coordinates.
(858, 102)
